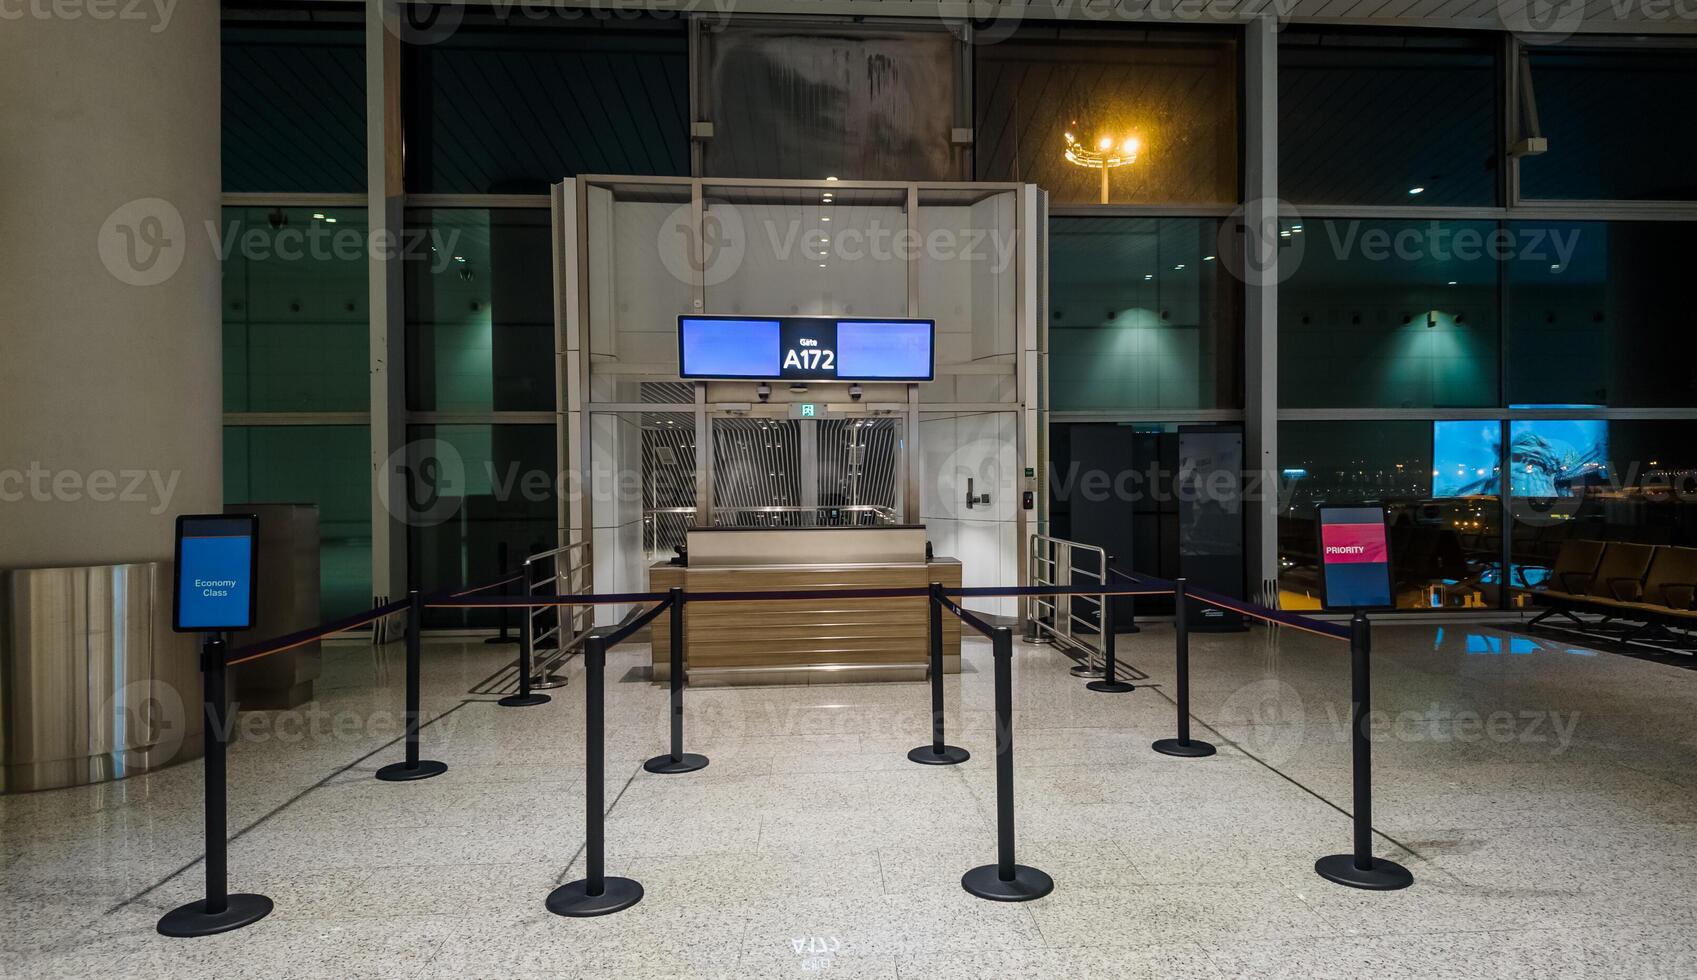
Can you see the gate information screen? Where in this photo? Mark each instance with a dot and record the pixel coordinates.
(1355, 558)
(215, 573)
(805, 348)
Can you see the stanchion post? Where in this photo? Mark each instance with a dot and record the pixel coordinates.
(1110, 682)
(505, 612)
(1361, 869)
(1183, 746)
(677, 760)
(219, 911)
(1005, 881)
(595, 893)
(525, 697)
(414, 767)
(938, 753)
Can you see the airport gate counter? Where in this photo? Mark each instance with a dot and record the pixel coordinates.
(805, 640)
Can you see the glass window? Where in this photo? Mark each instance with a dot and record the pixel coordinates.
(1596, 315)
(668, 482)
(1141, 316)
(1381, 118)
(1614, 129)
(480, 310)
(1389, 314)
(1438, 482)
(1152, 115)
(829, 100)
(293, 100)
(633, 300)
(296, 335)
(477, 488)
(1598, 480)
(327, 465)
(511, 105)
(808, 252)
(967, 282)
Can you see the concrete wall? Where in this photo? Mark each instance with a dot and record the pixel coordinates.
(110, 355)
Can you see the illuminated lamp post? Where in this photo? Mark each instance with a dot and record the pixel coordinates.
(1107, 154)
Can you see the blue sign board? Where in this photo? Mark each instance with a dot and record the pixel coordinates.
(805, 348)
(216, 567)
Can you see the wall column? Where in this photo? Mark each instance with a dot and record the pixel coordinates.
(111, 379)
(111, 376)
(1260, 262)
(386, 203)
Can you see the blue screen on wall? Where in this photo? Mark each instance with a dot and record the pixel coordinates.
(710, 347)
(872, 349)
(805, 348)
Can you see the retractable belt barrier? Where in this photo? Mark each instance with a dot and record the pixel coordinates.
(1005, 880)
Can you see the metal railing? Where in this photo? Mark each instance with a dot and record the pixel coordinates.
(558, 571)
(1057, 562)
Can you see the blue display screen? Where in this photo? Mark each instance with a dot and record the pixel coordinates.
(884, 349)
(215, 568)
(1547, 457)
(714, 348)
(805, 348)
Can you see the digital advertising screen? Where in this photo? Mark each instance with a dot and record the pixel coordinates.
(1355, 558)
(1547, 457)
(1555, 457)
(805, 348)
(216, 566)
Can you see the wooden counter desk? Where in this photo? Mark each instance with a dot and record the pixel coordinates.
(800, 641)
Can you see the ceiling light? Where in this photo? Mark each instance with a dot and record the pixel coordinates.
(1207, 258)
(1148, 277)
(1179, 267)
(329, 221)
(1417, 190)
(832, 179)
(318, 215)
(1452, 282)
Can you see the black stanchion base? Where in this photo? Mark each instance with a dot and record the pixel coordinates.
(573, 898)
(927, 755)
(666, 765)
(1085, 670)
(1028, 883)
(523, 700)
(547, 682)
(1109, 687)
(397, 772)
(1383, 876)
(1192, 749)
(193, 919)
(502, 639)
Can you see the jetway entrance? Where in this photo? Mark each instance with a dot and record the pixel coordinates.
(651, 454)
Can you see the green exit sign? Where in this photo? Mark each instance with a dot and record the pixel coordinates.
(809, 410)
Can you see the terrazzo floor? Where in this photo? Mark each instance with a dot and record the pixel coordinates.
(1544, 796)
